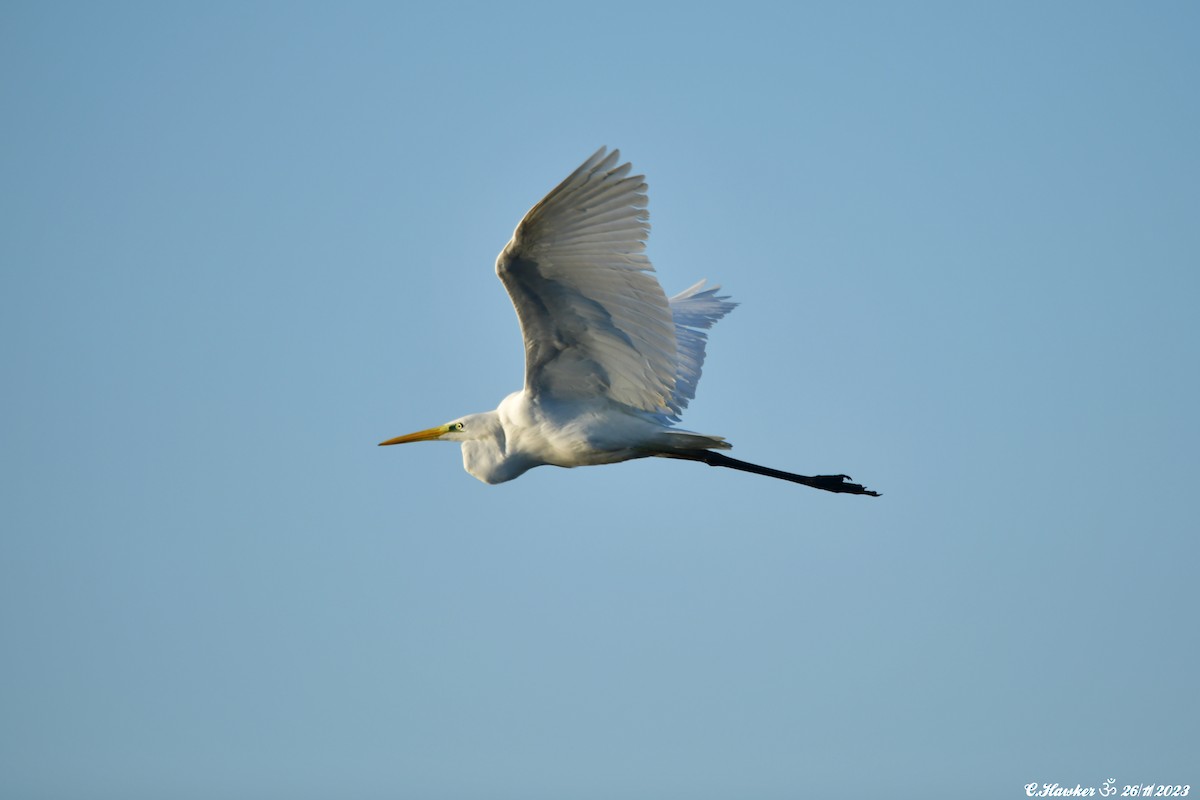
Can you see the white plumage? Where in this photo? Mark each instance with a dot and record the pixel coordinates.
(610, 362)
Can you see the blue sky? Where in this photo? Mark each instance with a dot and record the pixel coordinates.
(242, 243)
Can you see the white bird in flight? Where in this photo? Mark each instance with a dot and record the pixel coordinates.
(610, 361)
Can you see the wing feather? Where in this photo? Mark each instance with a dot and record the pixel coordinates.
(695, 309)
(595, 320)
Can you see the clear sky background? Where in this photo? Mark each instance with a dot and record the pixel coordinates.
(243, 243)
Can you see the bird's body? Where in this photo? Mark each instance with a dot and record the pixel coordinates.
(610, 361)
(524, 433)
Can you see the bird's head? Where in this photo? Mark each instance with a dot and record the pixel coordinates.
(483, 439)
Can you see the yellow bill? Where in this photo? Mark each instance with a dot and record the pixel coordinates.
(420, 436)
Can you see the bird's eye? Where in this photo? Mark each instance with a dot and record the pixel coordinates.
(458, 426)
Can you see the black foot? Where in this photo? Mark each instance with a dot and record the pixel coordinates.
(838, 483)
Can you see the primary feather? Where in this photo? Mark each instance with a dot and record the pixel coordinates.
(694, 311)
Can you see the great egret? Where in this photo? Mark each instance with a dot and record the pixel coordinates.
(610, 362)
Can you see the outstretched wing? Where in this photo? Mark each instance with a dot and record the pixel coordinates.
(695, 310)
(596, 323)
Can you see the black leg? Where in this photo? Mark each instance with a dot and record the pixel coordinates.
(828, 483)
